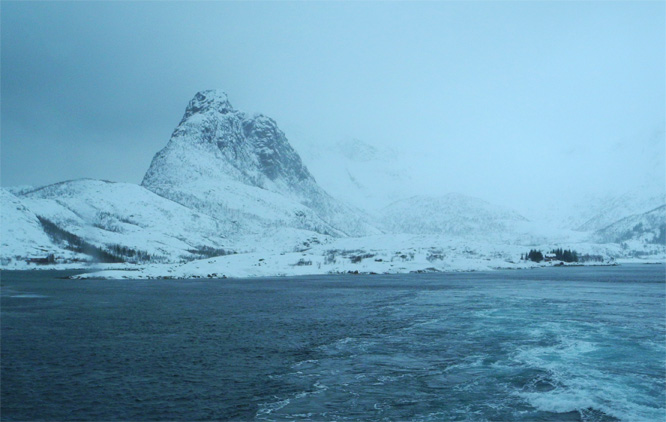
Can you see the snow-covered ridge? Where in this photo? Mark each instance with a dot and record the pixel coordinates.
(111, 215)
(645, 228)
(21, 234)
(616, 208)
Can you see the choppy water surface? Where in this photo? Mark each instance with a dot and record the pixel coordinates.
(558, 344)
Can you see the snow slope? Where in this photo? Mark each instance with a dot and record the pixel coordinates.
(615, 208)
(21, 233)
(229, 165)
(106, 213)
(645, 228)
(358, 173)
(593, 212)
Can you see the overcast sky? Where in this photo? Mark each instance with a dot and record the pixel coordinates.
(502, 98)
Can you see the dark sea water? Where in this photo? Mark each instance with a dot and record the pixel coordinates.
(552, 344)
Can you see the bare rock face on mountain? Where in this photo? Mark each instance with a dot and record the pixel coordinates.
(236, 167)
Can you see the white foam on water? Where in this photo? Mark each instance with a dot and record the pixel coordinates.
(475, 361)
(564, 355)
(303, 415)
(29, 296)
(393, 378)
(584, 382)
(422, 324)
(266, 409)
(304, 362)
(347, 345)
(564, 400)
(559, 402)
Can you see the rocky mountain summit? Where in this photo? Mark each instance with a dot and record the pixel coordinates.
(247, 149)
(230, 165)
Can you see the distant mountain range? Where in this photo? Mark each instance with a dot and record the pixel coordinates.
(229, 183)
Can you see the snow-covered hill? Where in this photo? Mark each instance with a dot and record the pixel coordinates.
(232, 166)
(21, 234)
(593, 211)
(122, 215)
(614, 208)
(636, 230)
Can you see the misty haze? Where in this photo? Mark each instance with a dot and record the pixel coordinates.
(315, 207)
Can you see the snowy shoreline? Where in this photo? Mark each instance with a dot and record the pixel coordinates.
(289, 255)
(211, 269)
(102, 275)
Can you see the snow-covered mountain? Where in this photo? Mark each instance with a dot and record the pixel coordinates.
(19, 190)
(593, 211)
(453, 214)
(236, 167)
(645, 228)
(363, 175)
(125, 219)
(230, 182)
(614, 208)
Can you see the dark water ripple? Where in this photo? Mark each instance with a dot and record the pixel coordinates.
(561, 344)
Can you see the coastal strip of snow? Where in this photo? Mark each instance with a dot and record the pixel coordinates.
(378, 255)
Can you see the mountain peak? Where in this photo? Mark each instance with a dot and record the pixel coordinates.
(211, 99)
(223, 141)
(233, 166)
